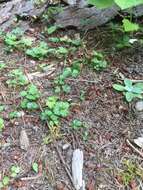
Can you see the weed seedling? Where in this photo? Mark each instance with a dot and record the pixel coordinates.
(55, 109)
(17, 78)
(38, 52)
(31, 95)
(14, 171)
(98, 61)
(131, 172)
(130, 90)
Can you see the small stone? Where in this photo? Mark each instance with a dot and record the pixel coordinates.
(139, 106)
(65, 146)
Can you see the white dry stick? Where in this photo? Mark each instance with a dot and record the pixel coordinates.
(77, 169)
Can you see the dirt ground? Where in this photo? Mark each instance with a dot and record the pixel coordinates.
(108, 118)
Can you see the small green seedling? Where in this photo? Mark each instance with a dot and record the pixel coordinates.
(38, 52)
(15, 114)
(17, 78)
(2, 66)
(5, 182)
(98, 61)
(66, 40)
(35, 167)
(31, 95)
(68, 72)
(130, 90)
(16, 40)
(131, 172)
(1, 124)
(77, 124)
(15, 170)
(55, 109)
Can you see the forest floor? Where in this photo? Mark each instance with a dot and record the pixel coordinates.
(106, 119)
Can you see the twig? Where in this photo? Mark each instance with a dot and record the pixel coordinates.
(30, 178)
(65, 167)
(134, 148)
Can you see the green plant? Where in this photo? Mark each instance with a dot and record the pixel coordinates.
(130, 90)
(5, 182)
(66, 40)
(14, 170)
(15, 114)
(2, 66)
(130, 172)
(17, 78)
(35, 167)
(38, 52)
(55, 109)
(16, 40)
(97, 61)
(52, 10)
(31, 95)
(77, 124)
(1, 124)
(60, 81)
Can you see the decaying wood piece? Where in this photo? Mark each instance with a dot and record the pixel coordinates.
(21, 8)
(24, 140)
(77, 169)
(84, 17)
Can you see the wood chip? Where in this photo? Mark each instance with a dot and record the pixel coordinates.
(24, 140)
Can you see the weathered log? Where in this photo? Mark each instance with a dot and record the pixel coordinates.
(85, 18)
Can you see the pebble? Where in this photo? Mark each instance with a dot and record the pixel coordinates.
(65, 146)
(139, 106)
